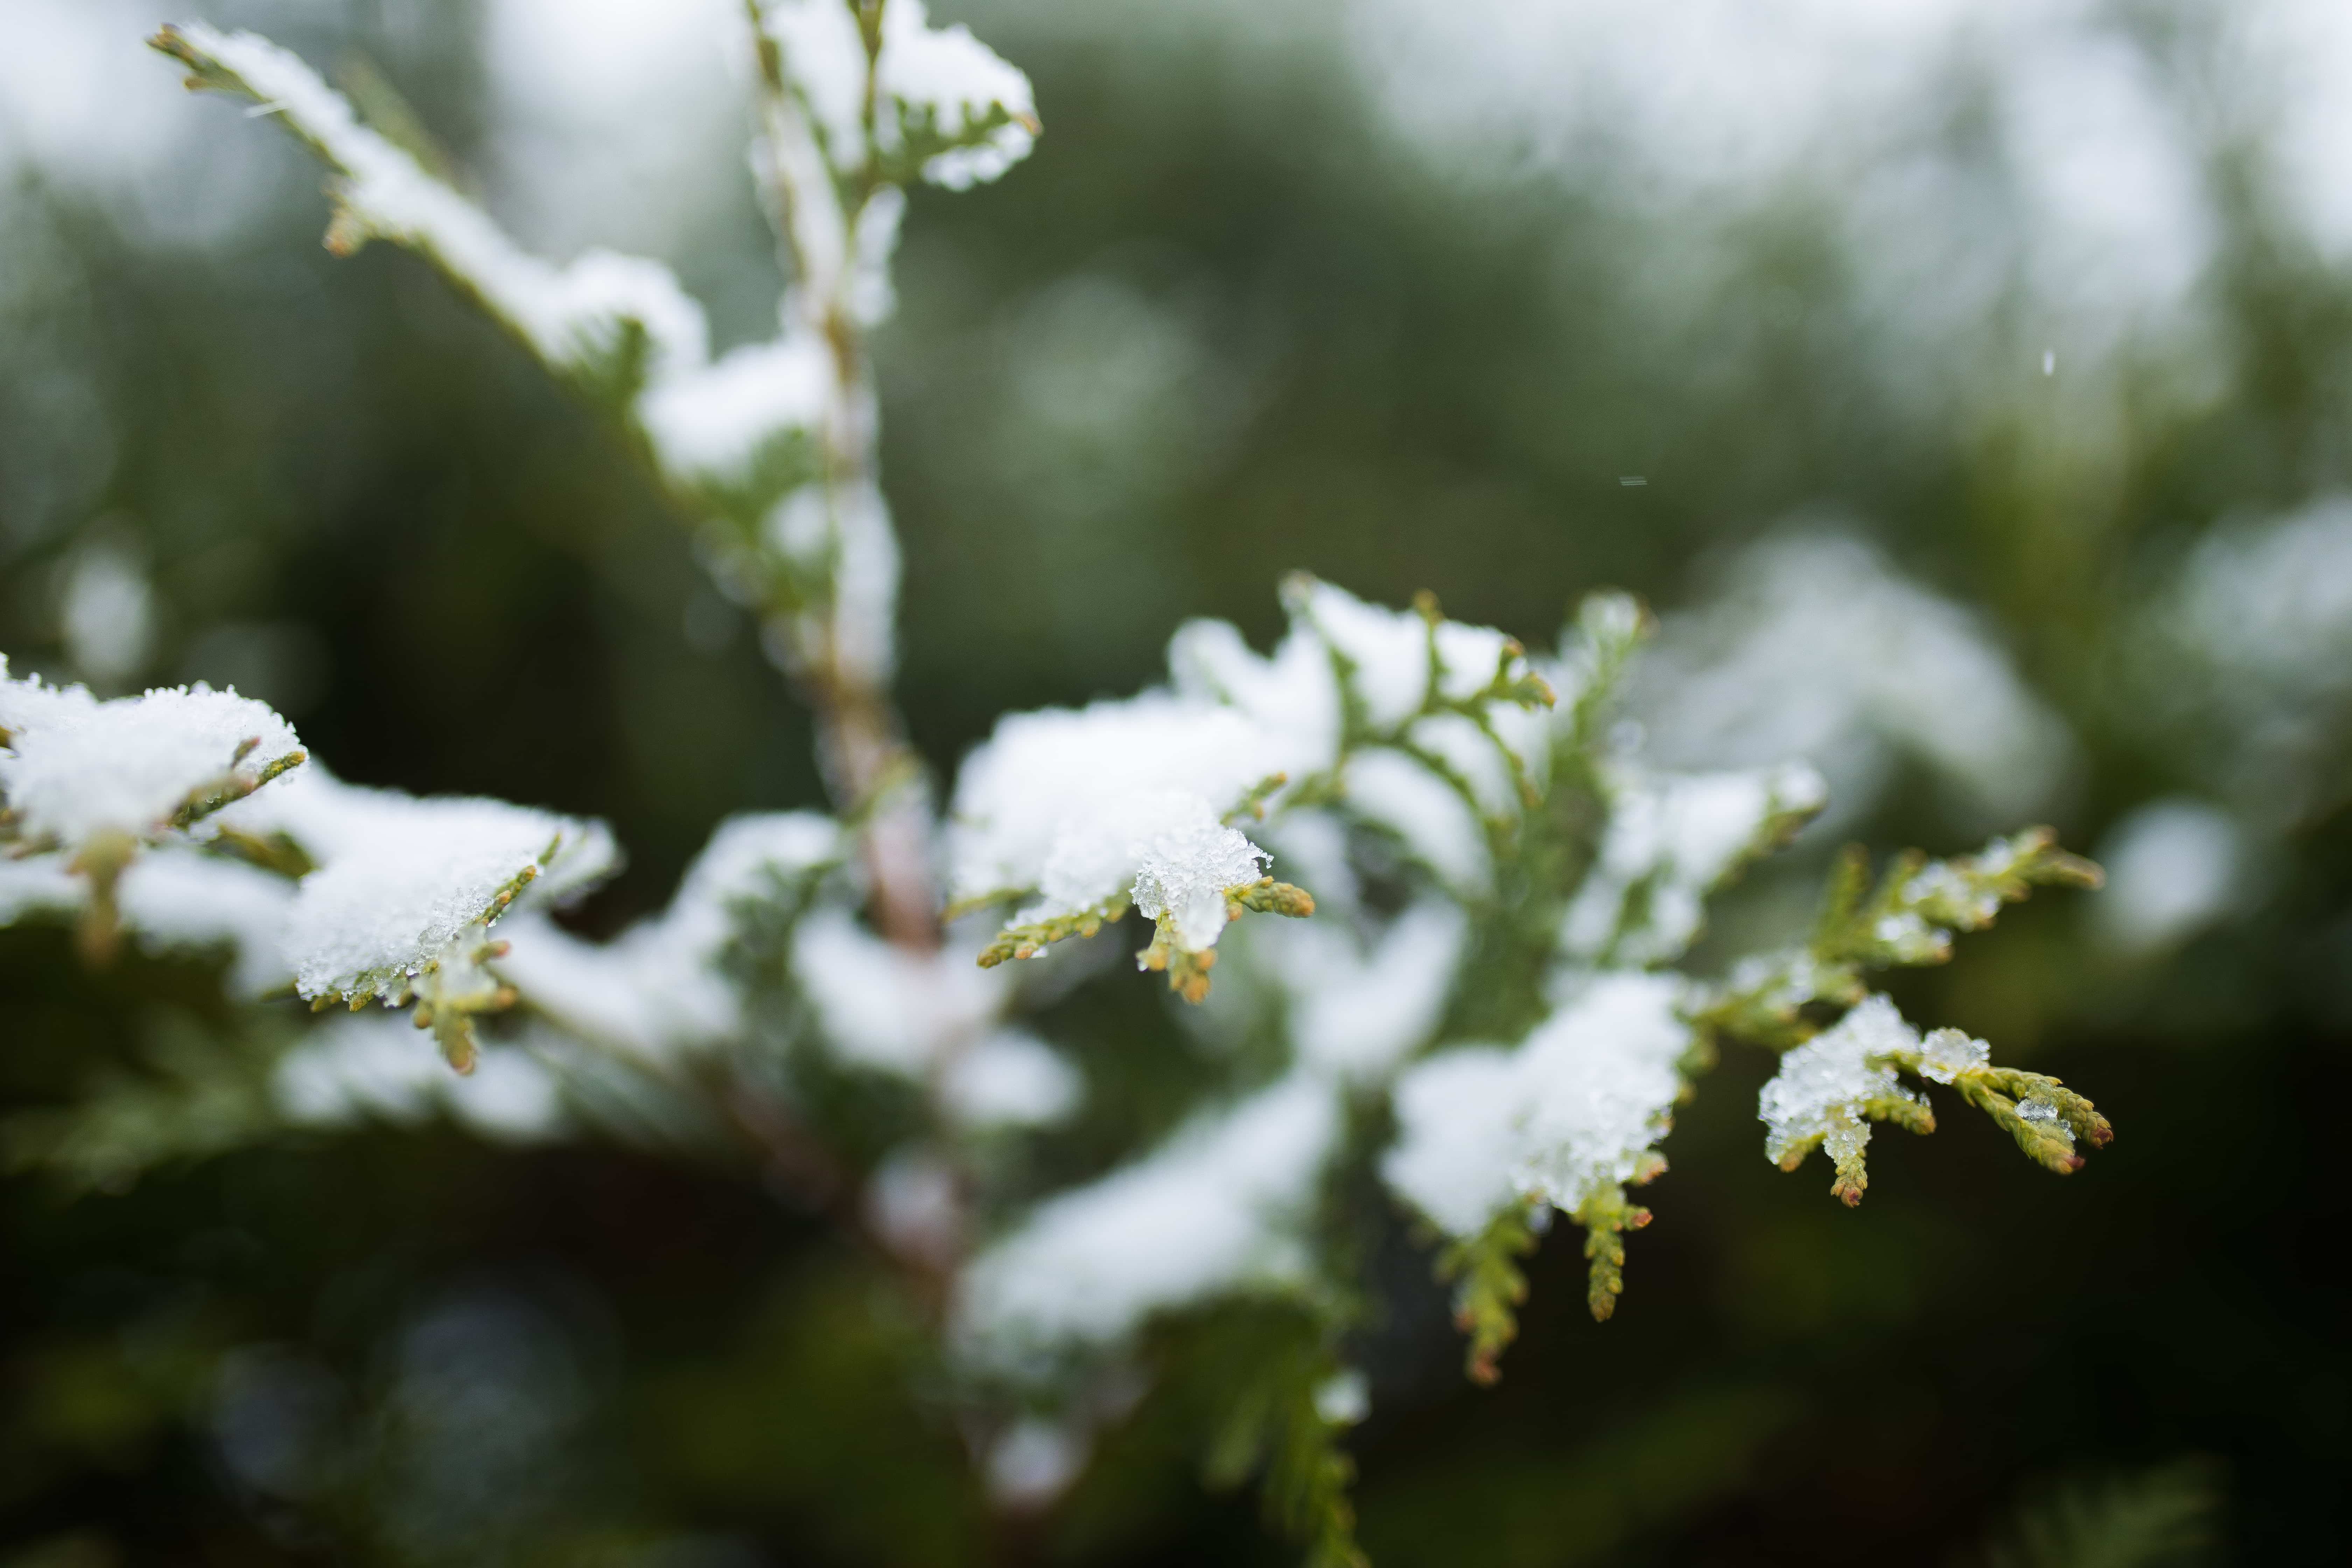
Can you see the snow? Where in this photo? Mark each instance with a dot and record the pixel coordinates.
(1437, 825)
(1186, 864)
(177, 899)
(1214, 1210)
(1387, 652)
(1822, 1085)
(567, 314)
(376, 1067)
(1575, 1108)
(713, 423)
(941, 78)
(885, 1008)
(1458, 1116)
(1080, 805)
(39, 884)
(1674, 838)
(1357, 1010)
(1010, 1078)
(75, 767)
(657, 988)
(1818, 647)
(1293, 696)
(399, 879)
(1455, 740)
(2174, 866)
(704, 419)
(954, 80)
(1601, 1076)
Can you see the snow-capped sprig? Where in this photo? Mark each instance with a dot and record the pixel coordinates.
(1831, 1087)
(403, 891)
(2038, 1111)
(1078, 814)
(767, 452)
(95, 781)
(892, 98)
(1490, 1142)
(619, 326)
(1910, 918)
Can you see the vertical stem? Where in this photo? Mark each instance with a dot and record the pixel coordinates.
(837, 650)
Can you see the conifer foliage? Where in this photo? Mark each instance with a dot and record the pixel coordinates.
(1413, 860)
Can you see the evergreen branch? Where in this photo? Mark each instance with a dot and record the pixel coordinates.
(1032, 938)
(1276, 1426)
(1492, 1285)
(1606, 1215)
(2169, 1517)
(1909, 919)
(621, 331)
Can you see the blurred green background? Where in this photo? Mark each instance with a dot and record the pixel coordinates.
(1275, 292)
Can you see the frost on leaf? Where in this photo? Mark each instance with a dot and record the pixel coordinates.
(1217, 1209)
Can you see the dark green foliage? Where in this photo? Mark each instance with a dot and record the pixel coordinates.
(2169, 1517)
(1490, 1285)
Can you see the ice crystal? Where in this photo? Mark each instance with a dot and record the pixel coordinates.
(2044, 1116)
(1823, 1086)
(1946, 1053)
(1187, 864)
